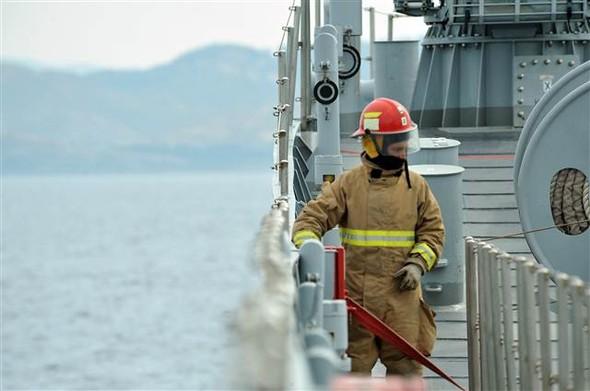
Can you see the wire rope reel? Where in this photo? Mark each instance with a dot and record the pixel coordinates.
(350, 63)
(572, 79)
(551, 184)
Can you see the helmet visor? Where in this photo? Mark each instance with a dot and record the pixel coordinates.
(398, 144)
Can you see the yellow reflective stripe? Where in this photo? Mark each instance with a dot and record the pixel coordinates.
(377, 243)
(377, 238)
(371, 232)
(372, 114)
(302, 236)
(426, 253)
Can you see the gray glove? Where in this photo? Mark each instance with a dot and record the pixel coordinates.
(410, 276)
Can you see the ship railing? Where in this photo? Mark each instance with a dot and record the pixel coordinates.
(502, 11)
(528, 327)
(295, 45)
(286, 81)
(265, 326)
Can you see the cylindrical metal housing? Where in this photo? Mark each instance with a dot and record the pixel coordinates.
(436, 150)
(396, 67)
(327, 161)
(312, 274)
(444, 284)
(336, 323)
(326, 70)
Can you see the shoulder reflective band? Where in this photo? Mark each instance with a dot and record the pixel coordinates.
(426, 253)
(374, 238)
(302, 236)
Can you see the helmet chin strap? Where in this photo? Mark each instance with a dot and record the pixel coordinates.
(407, 173)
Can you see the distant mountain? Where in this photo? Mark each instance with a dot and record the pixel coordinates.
(211, 108)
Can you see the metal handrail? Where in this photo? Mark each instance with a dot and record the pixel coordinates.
(512, 331)
(287, 62)
(266, 313)
(485, 11)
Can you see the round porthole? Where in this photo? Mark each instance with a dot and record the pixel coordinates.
(570, 205)
(350, 63)
(325, 91)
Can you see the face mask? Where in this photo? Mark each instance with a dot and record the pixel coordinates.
(388, 162)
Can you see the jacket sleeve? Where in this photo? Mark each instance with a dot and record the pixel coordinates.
(322, 214)
(430, 231)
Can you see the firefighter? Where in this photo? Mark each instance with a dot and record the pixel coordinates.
(391, 227)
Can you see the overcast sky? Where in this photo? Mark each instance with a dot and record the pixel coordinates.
(129, 34)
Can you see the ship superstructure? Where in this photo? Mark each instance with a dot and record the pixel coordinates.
(501, 93)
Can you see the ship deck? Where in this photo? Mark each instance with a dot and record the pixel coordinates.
(489, 211)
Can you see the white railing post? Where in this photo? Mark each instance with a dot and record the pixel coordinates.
(544, 329)
(578, 333)
(563, 317)
(508, 321)
(503, 299)
(494, 294)
(530, 269)
(472, 314)
(305, 64)
(524, 326)
(293, 45)
(282, 132)
(372, 40)
(485, 318)
(390, 27)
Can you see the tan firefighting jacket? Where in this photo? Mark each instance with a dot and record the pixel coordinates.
(382, 223)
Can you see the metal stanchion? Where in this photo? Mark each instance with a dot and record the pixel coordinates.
(485, 318)
(563, 316)
(530, 269)
(578, 333)
(471, 307)
(508, 320)
(544, 330)
(523, 324)
(494, 293)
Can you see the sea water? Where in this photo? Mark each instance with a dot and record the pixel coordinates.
(125, 282)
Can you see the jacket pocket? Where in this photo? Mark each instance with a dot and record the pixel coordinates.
(427, 335)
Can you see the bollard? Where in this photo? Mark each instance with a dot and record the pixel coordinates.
(436, 150)
(444, 285)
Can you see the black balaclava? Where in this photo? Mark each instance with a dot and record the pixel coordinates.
(390, 163)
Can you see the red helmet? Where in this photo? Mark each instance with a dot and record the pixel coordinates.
(387, 117)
